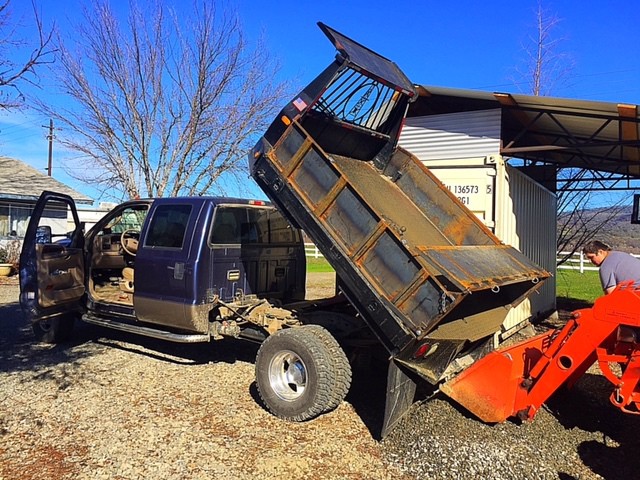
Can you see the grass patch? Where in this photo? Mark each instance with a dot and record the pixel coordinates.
(580, 286)
(569, 283)
(318, 265)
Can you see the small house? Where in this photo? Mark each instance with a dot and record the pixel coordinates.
(20, 187)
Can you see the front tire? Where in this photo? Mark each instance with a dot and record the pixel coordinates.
(53, 330)
(294, 374)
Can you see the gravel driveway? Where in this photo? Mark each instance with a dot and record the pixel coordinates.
(110, 405)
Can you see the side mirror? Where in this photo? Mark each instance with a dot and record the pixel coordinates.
(635, 215)
(43, 234)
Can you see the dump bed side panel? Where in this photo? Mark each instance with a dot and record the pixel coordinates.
(301, 210)
(405, 271)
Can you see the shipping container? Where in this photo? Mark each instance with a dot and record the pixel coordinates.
(462, 150)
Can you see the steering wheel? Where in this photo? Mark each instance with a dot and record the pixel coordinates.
(129, 241)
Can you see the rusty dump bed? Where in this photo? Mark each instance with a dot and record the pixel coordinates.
(414, 261)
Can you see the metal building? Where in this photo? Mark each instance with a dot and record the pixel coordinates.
(499, 154)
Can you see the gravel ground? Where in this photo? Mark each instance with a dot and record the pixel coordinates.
(108, 405)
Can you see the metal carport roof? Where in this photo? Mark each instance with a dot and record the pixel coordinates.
(599, 137)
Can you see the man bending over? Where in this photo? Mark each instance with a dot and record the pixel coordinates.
(615, 267)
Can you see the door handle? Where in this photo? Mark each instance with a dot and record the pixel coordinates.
(178, 270)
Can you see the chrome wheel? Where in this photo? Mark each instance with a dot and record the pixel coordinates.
(294, 374)
(287, 375)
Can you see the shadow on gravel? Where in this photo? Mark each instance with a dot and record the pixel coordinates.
(586, 406)
(19, 350)
(227, 350)
(368, 391)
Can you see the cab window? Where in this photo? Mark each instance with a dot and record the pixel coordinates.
(131, 218)
(168, 226)
(250, 225)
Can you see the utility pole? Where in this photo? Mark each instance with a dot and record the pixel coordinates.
(50, 138)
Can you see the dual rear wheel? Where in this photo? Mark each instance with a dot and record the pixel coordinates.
(301, 373)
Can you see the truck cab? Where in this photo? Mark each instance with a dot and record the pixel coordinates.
(157, 264)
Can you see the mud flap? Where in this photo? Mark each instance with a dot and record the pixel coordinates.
(401, 390)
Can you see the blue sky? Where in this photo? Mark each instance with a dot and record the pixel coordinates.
(463, 44)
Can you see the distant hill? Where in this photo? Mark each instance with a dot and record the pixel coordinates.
(621, 234)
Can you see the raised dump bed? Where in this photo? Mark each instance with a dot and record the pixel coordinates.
(425, 274)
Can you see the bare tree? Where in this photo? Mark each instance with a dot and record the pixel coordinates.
(168, 104)
(15, 72)
(547, 68)
(577, 221)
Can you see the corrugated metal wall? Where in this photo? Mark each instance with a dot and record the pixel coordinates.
(453, 136)
(525, 217)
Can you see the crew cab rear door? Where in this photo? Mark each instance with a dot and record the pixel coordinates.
(51, 261)
(165, 282)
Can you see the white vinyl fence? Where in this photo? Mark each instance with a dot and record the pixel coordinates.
(579, 262)
(310, 250)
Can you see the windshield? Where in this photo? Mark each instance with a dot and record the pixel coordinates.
(131, 218)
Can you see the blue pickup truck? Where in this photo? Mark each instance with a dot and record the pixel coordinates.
(191, 269)
(162, 263)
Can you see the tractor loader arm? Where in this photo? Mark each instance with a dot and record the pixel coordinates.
(515, 381)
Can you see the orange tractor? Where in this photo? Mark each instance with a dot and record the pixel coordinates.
(515, 381)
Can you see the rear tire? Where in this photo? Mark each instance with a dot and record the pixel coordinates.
(294, 374)
(340, 368)
(53, 330)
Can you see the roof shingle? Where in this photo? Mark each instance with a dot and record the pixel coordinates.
(23, 182)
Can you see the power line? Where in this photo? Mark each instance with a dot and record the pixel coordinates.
(16, 126)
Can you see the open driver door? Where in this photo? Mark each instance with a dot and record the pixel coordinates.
(52, 268)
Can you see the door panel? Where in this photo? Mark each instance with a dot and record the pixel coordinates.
(164, 285)
(52, 259)
(60, 275)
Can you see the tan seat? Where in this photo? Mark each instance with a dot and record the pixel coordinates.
(126, 284)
